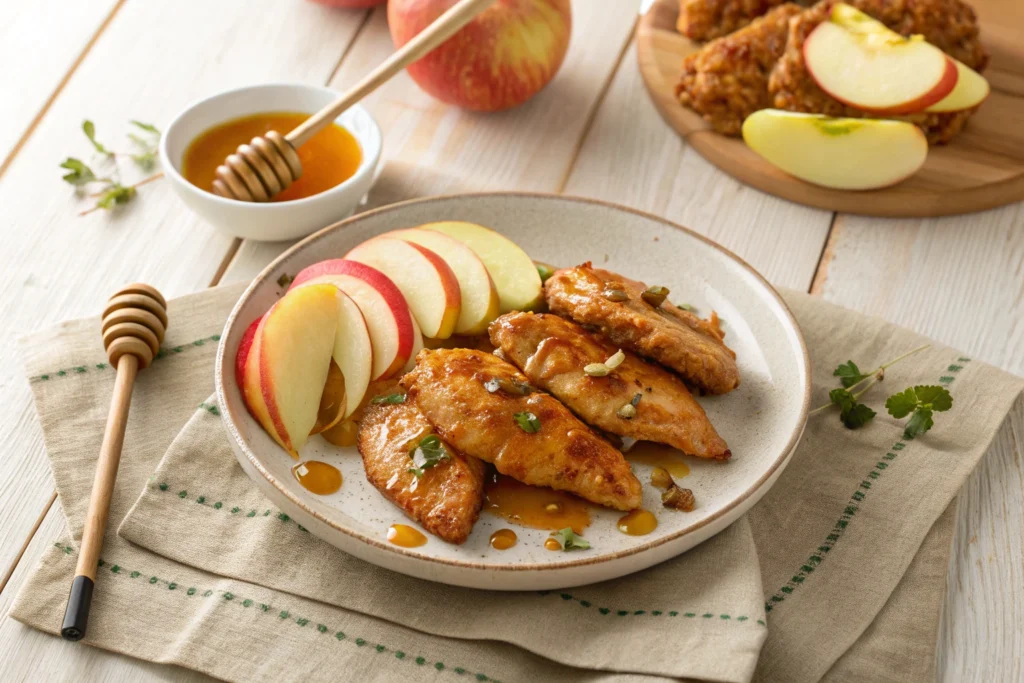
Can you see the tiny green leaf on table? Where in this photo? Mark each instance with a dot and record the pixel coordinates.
(849, 374)
(89, 128)
(852, 414)
(79, 173)
(919, 402)
(569, 540)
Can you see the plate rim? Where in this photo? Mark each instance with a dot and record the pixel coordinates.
(241, 446)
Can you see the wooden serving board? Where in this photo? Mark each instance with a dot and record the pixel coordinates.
(981, 168)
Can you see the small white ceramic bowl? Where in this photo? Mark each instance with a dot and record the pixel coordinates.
(270, 221)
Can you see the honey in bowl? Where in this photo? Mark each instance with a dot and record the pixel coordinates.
(329, 158)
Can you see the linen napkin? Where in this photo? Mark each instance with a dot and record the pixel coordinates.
(839, 572)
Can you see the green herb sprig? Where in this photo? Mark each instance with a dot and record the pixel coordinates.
(569, 540)
(919, 402)
(430, 451)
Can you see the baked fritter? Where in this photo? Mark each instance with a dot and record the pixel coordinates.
(950, 25)
(708, 19)
(675, 338)
(727, 80)
(448, 386)
(446, 500)
(552, 353)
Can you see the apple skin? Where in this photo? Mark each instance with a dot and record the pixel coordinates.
(487, 66)
(971, 90)
(244, 346)
(350, 4)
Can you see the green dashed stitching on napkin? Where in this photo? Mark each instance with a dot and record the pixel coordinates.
(219, 505)
(164, 352)
(229, 598)
(851, 508)
(568, 597)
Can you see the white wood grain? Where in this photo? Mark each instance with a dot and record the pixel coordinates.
(150, 62)
(959, 280)
(35, 62)
(632, 157)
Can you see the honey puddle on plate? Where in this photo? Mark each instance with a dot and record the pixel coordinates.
(535, 507)
(503, 539)
(405, 536)
(639, 522)
(318, 477)
(659, 455)
(552, 544)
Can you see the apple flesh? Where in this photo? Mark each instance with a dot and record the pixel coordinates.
(971, 90)
(426, 281)
(480, 302)
(288, 363)
(500, 59)
(841, 153)
(514, 274)
(332, 400)
(877, 70)
(395, 338)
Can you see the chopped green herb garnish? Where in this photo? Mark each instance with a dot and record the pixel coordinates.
(544, 270)
(430, 451)
(528, 422)
(655, 296)
(568, 539)
(390, 399)
(284, 280)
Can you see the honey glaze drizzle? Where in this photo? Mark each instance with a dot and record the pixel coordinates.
(503, 539)
(552, 544)
(405, 536)
(318, 477)
(639, 522)
(659, 455)
(534, 506)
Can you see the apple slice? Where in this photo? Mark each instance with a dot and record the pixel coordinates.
(427, 282)
(480, 302)
(971, 90)
(514, 273)
(289, 361)
(244, 347)
(394, 336)
(841, 153)
(864, 65)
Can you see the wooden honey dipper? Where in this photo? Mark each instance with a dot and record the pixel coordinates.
(134, 323)
(257, 171)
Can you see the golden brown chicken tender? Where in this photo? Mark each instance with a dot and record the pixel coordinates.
(446, 499)
(675, 338)
(552, 352)
(485, 408)
(707, 19)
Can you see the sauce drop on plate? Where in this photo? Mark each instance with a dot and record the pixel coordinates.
(639, 522)
(552, 544)
(659, 455)
(503, 539)
(318, 477)
(329, 158)
(534, 506)
(405, 536)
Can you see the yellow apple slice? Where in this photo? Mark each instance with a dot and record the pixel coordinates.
(287, 366)
(513, 272)
(841, 153)
(480, 302)
(971, 90)
(863, 64)
(425, 280)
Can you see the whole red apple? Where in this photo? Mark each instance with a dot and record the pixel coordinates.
(502, 58)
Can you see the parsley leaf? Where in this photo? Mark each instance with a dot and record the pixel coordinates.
(148, 127)
(430, 451)
(852, 414)
(568, 539)
(934, 397)
(920, 422)
(920, 400)
(390, 399)
(902, 404)
(90, 132)
(849, 374)
(115, 195)
(528, 422)
(80, 174)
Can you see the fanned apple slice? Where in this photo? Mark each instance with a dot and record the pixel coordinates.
(842, 153)
(480, 302)
(514, 273)
(863, 64)
(288, 363)
(971, 90)
(425, 280)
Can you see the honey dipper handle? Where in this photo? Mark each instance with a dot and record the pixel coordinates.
(443, 28)
(77, 613)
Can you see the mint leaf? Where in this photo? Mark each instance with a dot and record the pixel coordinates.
(430, 451)
(849, 374)
(90, 132)
(115, 195)
(920, 422)
(528, 422)
(568, 539)
(902, 404)
(80, 174)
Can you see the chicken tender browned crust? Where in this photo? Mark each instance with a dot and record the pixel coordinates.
(552, 353)
(447, 386)
(446, 500)
(727, 80)
(708, 19)
(950, 25)
(675, 338)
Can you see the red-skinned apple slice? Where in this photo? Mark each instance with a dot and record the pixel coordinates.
(244, 346)
(394, 336)
(480, 302)
(424, 278)
(288, 363)
(842, 153)
(970, 91)
(878, 73)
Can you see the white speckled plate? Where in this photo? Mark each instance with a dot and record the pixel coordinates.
(762, 420)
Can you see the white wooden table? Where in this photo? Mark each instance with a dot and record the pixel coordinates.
(592, 132)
